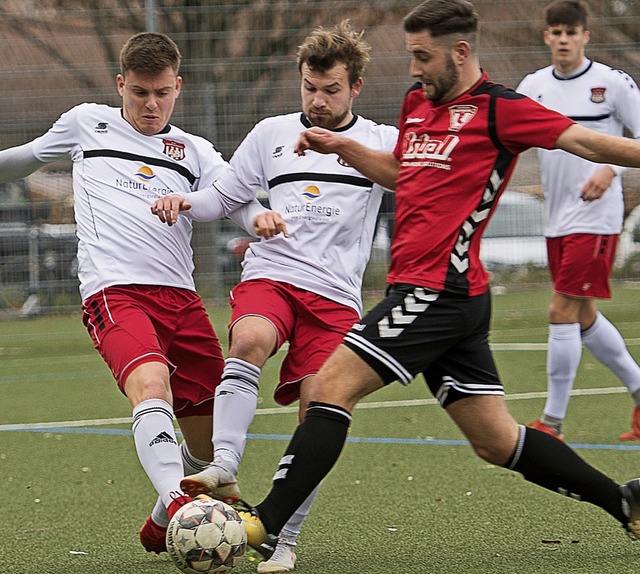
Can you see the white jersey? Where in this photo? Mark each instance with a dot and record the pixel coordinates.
(330, 209)
(602, 99)
(117, 174)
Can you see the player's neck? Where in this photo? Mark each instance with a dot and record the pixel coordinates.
(573, 71)
(466, 82)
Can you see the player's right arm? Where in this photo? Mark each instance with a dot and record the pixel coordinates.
(18, 162)
(378, 166)
(168, 208)
(57, 143)
(210, 204)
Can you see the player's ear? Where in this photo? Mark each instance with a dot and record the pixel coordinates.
(120, 84)
(460, 51)
(178, 85)
(355, 89)
(587, 36)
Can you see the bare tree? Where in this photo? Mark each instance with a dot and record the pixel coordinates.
(237, 54)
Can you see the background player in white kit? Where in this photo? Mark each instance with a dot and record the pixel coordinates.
(583, 211)
(139, 300)
(304, 288)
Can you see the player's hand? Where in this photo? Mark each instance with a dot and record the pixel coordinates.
(268, 224)
(317, 139)
(597, 184)
(168, 207)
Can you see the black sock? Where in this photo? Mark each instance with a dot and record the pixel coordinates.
(312, 452)
(550, 463)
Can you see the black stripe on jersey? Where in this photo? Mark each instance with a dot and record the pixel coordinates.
(457, 278)
(494, 92)
(589, 118)
(144, 159)
(413, 88)
(311, 176)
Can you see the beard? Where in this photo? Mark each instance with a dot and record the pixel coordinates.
(444, 84)
(327, 121)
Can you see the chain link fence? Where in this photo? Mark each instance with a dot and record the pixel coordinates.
(239, 67)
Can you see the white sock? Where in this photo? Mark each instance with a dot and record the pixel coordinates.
(563, 358)
(233, 410)
(191, 465)
(157, 446)
(607, 345)
(291, 529)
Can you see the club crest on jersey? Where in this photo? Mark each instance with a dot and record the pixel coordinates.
(460, 116)
(175, 150)
(597, 95)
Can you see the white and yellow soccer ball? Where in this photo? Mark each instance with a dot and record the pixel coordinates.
(206, 536)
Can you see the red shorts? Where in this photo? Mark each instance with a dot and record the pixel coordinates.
(313, 325)
(135, 324)
(580, 264)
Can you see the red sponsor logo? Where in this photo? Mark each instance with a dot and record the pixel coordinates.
(424, 148)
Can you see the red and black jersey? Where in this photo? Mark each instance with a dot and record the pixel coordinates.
(455, 160)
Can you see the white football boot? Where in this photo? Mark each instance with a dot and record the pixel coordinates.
(214, 481)
(283, 559)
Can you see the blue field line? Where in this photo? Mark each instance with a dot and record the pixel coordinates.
(287, 437)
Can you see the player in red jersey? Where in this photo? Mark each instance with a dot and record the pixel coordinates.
(460, 135)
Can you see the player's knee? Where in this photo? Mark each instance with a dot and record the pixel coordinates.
(255, 348)
(493, 452)
(146, 389)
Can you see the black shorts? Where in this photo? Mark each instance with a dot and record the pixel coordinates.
(439, 334)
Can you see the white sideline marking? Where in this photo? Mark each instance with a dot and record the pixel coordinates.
(285, 410)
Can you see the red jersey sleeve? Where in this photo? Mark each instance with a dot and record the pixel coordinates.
(522, 123)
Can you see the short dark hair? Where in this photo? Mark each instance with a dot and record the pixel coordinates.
(443, 17)
(324, 48)
(567, 13)
(150, 53)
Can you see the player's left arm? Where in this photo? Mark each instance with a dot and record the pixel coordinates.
(626, 105)
(598, 147)
(596, 186)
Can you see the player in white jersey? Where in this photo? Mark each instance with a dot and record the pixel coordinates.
(583, 211)
(139, 300)
(305, 287)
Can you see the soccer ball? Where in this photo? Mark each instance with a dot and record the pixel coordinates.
(206, 537)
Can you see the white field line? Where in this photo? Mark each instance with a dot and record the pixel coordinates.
(16, 352)
(285, 410)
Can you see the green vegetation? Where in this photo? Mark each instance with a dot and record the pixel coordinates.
(411, 498)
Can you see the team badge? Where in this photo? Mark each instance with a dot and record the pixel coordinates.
(460, 116)
(597, 95)
(175, 150)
